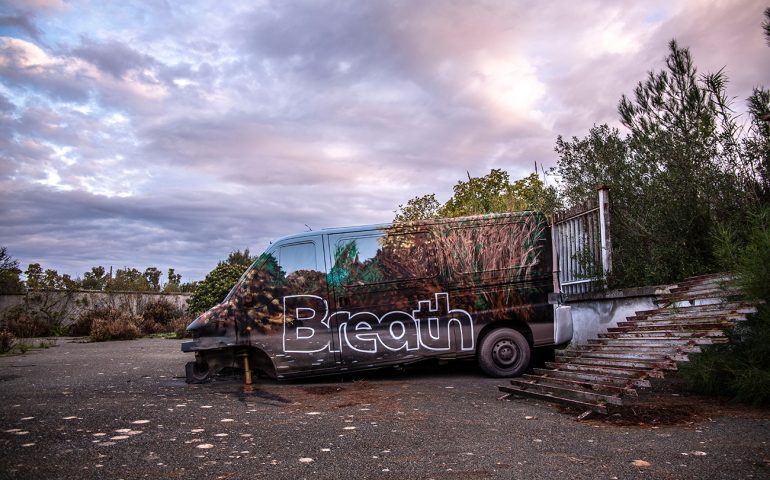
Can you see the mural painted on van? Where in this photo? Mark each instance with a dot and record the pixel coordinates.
(362, 297)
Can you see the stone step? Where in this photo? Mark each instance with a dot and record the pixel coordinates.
(659, 319)
(661, 354)
(578, 383)
(621, 363)
(668, 333)
(596, 407)
(604, 378)
(629, 354)
(606, 370)
(649, 349)
(566, 392)
(601, 372)
(657, 341)
(727, 307)
(713, 287)
(704, 295)
(668, 325)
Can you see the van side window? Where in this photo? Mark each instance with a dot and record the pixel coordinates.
(373, 259)
(297, 256)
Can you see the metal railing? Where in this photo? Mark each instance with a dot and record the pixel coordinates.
(581, 246)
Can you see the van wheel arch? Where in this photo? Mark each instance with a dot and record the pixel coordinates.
(259, 360)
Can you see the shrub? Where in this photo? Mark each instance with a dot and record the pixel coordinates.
(161, 311)
(82, 325)
(215, 287)
(23, 323)
(741, 369)
(107, 323)
(120, 326)
(7, 341)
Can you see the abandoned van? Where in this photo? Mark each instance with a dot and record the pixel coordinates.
(359, 298)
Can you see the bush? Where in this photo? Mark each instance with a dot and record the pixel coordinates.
(118, 326)
(82, 325)
(741, 369)
(23, 323)
(110, 323)
(161, 311)
(107, 323)
(7, 341)
(179, 327)
(215, 287)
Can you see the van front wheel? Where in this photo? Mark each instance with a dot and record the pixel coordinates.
(504, 353)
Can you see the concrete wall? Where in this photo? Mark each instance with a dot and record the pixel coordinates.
(67, 305)
(594, 313)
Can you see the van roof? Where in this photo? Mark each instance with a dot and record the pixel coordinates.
(381, 226)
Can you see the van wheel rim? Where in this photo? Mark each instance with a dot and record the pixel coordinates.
(505, 353)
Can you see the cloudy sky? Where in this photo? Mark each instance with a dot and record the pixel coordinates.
(169, 133)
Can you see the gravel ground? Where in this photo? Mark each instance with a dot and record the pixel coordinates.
(122, 410)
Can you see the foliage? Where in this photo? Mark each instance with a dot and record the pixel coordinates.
(418, 208)
(179, 327)
(110, 323)
(96, 279)
(158, 316)
(219, 281)
(37, 279)
(125, 279)
(685, 166)
(9, 273)
(128, 280)
(37, 317)
(173, 281)
(492, 193)
(7, 341)
(766, 25)
(741, 368)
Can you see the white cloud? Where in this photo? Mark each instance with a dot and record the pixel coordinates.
(139, 132)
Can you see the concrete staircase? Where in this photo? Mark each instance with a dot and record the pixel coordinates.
(598, 375)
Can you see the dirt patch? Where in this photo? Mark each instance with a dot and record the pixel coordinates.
(644, 415)
(322, 390)
(661, 409)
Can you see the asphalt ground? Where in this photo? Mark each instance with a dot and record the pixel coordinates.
(122, 410)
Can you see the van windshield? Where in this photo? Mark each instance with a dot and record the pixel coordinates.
(257, 264)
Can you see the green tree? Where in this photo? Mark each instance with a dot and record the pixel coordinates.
(418, 208)
(174, 281)
(128, 280)
(684, 167)
(242, 258)
(213, 289)
(9, 273)
(96, 279)
(766, 25)
(35, 276)
(152, 278)
(492, 193)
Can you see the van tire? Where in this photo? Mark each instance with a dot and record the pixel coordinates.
(197, 373)
(504, 352)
